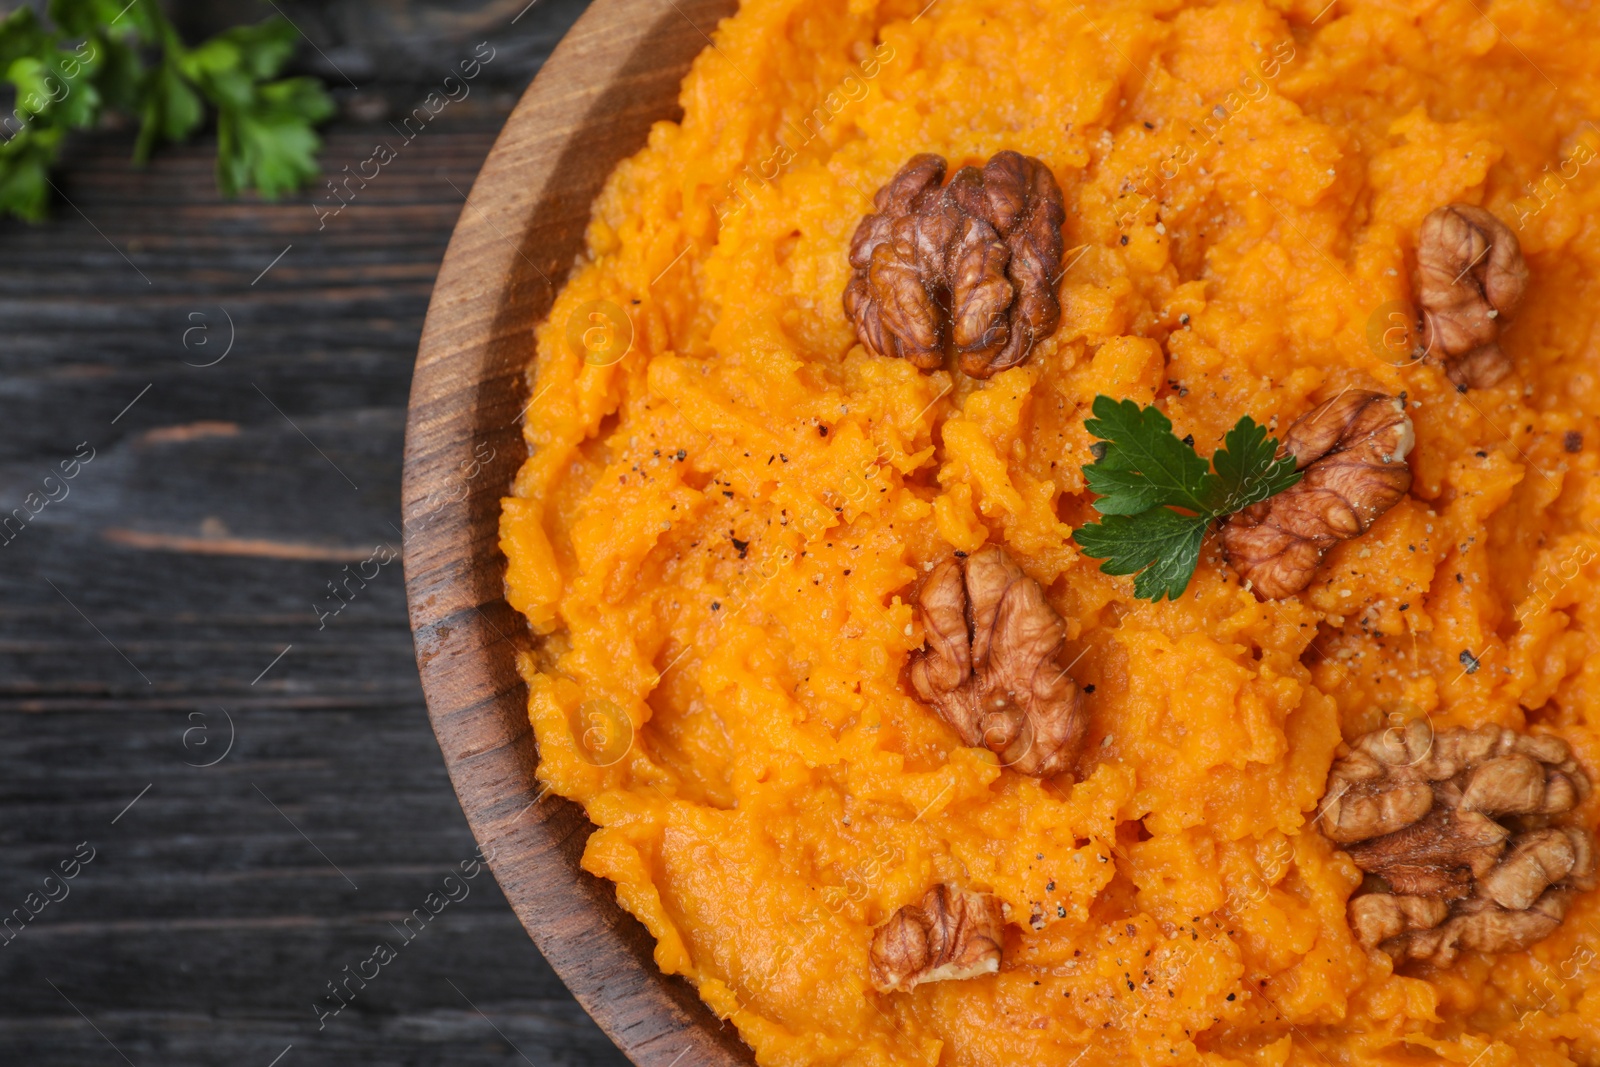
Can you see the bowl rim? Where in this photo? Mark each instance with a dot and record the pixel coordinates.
(521, 228)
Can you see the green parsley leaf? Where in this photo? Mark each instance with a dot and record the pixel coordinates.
(22, 35)
(265, 137)
(24, 172)
(128, 56)
(1160, 547)
(1143, 472)
(270, 145)
(172, 110)
(86, 18)
(1249, 469)
(1144, 464)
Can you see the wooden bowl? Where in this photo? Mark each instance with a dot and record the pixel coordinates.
(614, 74)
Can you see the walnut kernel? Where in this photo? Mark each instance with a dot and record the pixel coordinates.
(1353, 450)
(1459, 838)
(969, 268)
(990, 667)
(1470, 278)
(950, 934)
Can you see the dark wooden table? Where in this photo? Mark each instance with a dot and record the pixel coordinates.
(252, 770)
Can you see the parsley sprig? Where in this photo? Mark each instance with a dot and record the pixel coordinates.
(94, 55)
(1143, 473)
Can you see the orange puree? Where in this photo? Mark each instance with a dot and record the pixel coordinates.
(719, 533)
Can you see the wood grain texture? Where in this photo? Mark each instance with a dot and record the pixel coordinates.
(614, 74)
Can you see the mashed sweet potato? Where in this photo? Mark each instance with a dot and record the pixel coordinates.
(719, 532)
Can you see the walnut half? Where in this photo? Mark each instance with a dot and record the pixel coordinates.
(1459, 835)
(990, 667)
(948, 935)
(1470, 278)
(970, 268)
(1353, 450)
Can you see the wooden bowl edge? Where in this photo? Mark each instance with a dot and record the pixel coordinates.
(590, 106)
